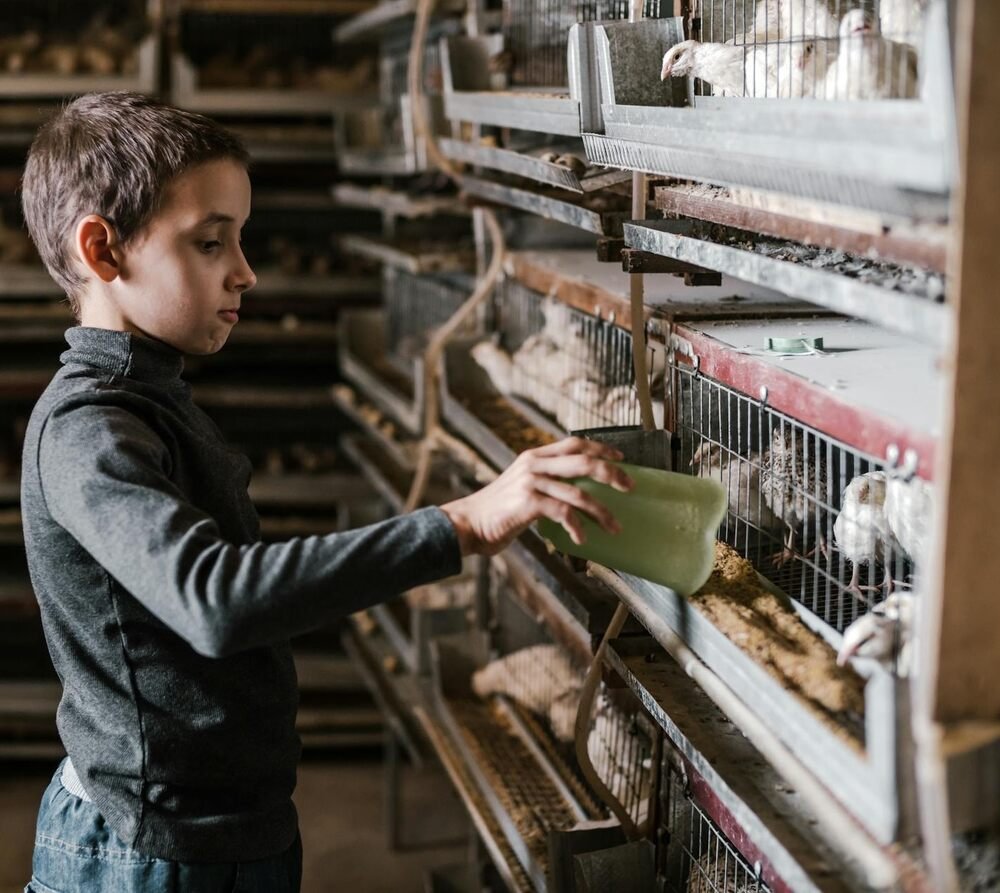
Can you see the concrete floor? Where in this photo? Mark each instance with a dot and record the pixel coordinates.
(341, 811)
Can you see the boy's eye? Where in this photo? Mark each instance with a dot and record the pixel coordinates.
(209, 247)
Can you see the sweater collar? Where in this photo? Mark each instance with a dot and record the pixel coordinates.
(123, 353)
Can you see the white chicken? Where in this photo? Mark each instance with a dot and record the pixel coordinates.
(581, 406)
(786, 19)
(783, 70)
(497, 364)
(862, 529)
(541, 679)
(621, 406)
(741, 478)
(884, 634)
(868, 66)
(909, 510)
(903, 20)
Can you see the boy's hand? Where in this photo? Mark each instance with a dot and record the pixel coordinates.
(531, 488)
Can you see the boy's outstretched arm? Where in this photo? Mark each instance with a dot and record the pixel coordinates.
(106, 480)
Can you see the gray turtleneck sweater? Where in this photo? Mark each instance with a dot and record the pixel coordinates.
(167, 620)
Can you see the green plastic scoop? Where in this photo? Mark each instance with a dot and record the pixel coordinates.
(669, 522)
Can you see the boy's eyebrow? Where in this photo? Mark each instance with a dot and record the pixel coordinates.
(215, 217)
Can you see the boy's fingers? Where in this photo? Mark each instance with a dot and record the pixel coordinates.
(579, 445)
(575, 497)
(561, 513)
(576, 465)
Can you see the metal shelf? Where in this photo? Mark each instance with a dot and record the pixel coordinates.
(291, 102)
(528, 166)
(412, 258)
(273, 282)
(601, 223)
(273, 397)
(347, 401)
(490, 833)
(390, 490)
(578, 279)
(363, 362)
(20, 281)
(369, 24)
(394, 203)
(556, 113)
(377, 162)
(55, 86)
(859, 233)
(920, 318)
(277, 7)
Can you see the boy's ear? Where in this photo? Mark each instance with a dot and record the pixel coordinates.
(96, 247)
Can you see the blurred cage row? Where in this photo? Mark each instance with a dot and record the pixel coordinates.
(809, 616)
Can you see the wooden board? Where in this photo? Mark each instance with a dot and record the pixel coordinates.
(886, 245)
(961, 665)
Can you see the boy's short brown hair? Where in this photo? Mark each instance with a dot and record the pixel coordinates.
(114, 155)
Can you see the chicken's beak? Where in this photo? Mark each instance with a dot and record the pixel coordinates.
(665, 72)
(853, 640)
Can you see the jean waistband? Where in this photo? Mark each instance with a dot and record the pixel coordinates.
(71, 781)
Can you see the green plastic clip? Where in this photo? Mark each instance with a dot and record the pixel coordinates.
(794, 345)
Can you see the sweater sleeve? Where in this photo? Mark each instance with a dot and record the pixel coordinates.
(105, 479)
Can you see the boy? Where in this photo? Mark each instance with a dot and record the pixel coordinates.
(167, 620)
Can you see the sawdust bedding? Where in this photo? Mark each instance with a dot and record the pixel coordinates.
(772, 634)
(507, 423)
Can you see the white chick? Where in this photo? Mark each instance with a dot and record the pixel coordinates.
(621, 406)
(884, 634)
(581, 406)
(541, 679)
(741, 478)
(909, 510)
(862, 528)
(903, 20)
(867, 65)
(497, 364)
(783, 70)
(786, 19)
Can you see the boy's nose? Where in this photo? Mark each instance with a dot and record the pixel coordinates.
(243, 278)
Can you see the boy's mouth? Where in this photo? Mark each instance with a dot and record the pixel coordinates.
(232, 315)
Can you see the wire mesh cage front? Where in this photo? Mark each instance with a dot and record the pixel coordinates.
(415, 306)
(620, 746)
(699, 857)
(823, 521)
(536, 34)
(393, 83)
(540, 676)
(823, 49)
(575, 367)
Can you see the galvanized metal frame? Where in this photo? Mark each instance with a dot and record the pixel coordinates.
(900, 157)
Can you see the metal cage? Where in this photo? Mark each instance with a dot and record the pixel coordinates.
(699, 857)
(536, 34)
(822, 49)
(574, 366)
(415, 306)
(809, 511)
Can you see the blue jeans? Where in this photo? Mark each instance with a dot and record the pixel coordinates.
(77, 852)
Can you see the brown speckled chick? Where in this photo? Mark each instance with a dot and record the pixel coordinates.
(787, 477)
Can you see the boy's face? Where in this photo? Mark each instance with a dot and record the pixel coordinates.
(182, 278)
